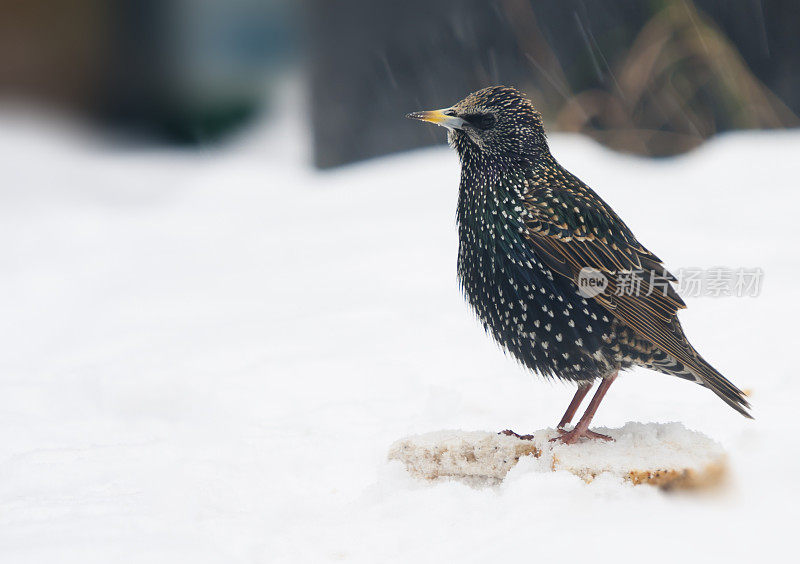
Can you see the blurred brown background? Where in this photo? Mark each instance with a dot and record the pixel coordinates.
(653, 78)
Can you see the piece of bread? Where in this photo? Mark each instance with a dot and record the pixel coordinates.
(667, 455)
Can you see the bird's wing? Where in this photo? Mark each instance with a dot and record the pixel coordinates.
(572, 228)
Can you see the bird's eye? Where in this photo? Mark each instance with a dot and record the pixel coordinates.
(480, 121)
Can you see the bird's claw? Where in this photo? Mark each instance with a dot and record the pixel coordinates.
(573, 436)
(510, 433)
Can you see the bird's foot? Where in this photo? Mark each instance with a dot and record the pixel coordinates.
(510, 433)
(573, 436)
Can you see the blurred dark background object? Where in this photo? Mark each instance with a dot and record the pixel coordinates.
(653, 78)
(184, 71)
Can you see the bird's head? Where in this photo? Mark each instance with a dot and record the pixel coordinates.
(497, 123)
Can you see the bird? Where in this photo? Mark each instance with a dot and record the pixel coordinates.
(531, 239)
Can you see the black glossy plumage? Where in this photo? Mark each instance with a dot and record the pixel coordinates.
(526, 229)
(538, 317)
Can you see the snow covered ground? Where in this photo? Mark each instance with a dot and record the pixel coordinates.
(205, 358)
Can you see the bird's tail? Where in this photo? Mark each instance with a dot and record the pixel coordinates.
(724, 388)
(696, 368)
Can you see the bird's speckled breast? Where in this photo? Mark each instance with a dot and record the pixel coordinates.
(531, 312)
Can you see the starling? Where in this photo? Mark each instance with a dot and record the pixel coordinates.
(533, 237)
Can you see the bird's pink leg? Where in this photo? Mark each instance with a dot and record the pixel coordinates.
(583, 389)
(582, 428)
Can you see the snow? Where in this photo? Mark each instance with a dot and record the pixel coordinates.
(207, 356)
(665, 454)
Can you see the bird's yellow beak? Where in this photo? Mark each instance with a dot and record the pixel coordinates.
(439, 117)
